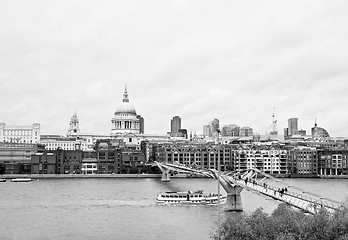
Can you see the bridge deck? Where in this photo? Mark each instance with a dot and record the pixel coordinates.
(248, 180)
(302, 201)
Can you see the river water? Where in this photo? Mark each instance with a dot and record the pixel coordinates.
(113, 208)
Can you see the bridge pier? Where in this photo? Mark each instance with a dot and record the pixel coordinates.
(165, 175)
(234, 200)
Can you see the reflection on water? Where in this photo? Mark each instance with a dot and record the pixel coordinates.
(124, 208)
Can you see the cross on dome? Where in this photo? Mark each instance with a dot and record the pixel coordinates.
(125, 95)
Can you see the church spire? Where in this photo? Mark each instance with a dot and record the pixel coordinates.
(125, 95)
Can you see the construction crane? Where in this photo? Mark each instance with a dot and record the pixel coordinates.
(274, 124)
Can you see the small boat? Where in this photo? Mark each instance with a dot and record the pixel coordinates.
(21, 180)
(190, 197)
(2, 180)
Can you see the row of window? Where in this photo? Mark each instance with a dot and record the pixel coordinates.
(19, 133)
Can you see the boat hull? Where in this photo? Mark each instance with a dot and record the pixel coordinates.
(222, 201)
(190, 198)
(22, 180)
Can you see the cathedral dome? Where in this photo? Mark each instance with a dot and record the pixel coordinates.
(125, 119)
(125, 108)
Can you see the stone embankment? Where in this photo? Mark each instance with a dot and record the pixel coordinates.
(62, 176)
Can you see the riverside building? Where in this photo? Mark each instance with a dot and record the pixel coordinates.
(303, 161)
(195, 155)
(16, 157)
(333, 162)
(269, 159)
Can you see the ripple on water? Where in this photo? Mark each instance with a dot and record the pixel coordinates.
(122, 208)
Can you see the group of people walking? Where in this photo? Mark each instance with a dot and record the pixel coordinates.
(281, 191)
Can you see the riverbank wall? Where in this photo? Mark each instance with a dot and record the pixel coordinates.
(62, 176)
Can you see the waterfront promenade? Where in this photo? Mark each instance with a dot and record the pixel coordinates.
(49, 176)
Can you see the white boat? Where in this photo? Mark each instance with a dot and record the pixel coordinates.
(2, 180)
(21, 180)
(190, 197)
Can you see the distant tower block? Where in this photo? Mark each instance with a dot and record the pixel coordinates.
(74, 130)
(175, 124)
(292, 126)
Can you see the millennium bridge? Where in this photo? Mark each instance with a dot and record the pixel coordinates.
(255, 181)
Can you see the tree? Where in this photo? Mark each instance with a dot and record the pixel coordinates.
(2, 168)
(286, 223)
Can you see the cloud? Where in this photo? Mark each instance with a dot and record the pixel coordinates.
(200, 60)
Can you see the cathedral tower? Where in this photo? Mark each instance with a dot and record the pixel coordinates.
(74, 130)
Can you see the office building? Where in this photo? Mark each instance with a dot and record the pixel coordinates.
(141, 124)
(175, 124)
(292, 126)
(210, 130)
(246, 132)
(230, 130)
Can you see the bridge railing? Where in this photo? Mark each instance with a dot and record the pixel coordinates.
(306, 201)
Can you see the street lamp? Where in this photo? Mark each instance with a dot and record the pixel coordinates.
(218, 158)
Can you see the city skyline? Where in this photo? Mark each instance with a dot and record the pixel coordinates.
(234, 61)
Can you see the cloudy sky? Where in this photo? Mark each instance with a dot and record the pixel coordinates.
(200, 60)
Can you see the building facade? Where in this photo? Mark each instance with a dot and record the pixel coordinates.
(108, 157)
(175, 124)
(44, 163)
(53, 142)
(292, 126)
(211, 129)
(230, 130)
(333, 162)
(246, 132)
(16, 157)
(20, 134)
(303, 161)
(195, 155)
(269, 159)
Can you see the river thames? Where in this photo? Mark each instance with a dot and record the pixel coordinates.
(125, 208)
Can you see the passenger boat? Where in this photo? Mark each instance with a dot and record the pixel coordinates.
(21, 180)
(2, 180)
(190, 197)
